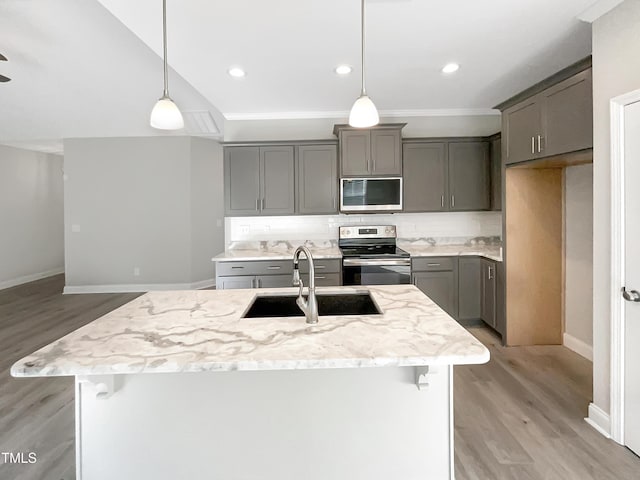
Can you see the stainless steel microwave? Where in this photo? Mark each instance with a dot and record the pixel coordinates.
(370, 194)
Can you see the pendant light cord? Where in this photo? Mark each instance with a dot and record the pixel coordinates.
(164, 45)
(364, 90)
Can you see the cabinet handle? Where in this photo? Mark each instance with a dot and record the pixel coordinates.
(442, 201)
(253, 283)
(453, 201)
(259, 283)
(262, 203)
(539, 143)
(257, 205)
(319, 277)
(237, 268)
(333, 202)
(433, 264)
(320, 267)
(490, 271)
(533, 145)
(274, 267)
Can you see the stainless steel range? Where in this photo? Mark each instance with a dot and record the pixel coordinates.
(370, 256)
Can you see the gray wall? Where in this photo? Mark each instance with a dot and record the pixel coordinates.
(31, 216)
(579, 253)
(128, 206)
(616, 70)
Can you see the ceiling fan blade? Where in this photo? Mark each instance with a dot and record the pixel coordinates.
(4, 79)
(3, 58)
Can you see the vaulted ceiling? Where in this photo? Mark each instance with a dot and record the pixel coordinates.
(93, 67)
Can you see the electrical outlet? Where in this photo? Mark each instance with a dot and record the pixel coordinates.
(245, 229)
(136, 271)
(267, 228)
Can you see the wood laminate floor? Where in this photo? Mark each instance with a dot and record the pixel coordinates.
(519, 417)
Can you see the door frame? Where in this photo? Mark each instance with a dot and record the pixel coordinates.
(618, 105)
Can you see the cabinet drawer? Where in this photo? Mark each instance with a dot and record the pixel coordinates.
(324, 279)
(255, 268)
(433, 264)
(329, 265)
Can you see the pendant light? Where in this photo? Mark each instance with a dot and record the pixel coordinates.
(363, 113)
(166, 114)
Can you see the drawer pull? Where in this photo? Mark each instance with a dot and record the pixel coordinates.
(320, 267)
(236, 268)
(273, 267)
(319, 277)
(433, 264)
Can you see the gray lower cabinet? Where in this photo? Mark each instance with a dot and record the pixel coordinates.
(469, 288)
(259, 180)
(425, 173)
(275, 274)
(469, 176)
(488, 269)
(317, 182)
(437, 278)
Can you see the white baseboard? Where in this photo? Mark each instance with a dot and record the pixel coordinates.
(138, 288)
(30, 278)
(578, 346)
(599, 420)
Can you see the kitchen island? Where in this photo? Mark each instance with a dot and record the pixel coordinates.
(180, 385)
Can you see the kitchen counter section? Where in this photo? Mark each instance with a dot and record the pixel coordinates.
(274, 254)
(487, 251)
(203, 330)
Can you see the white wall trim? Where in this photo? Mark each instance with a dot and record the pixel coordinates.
(30, 278)
(138, 288)
(598, 9)
(617, 312)
(578, 346)
(599, 420)
(444, 112)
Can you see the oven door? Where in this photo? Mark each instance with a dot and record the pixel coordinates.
(360, 271)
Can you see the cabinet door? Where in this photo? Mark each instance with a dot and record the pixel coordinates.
(274, 281)
(439, 287)
(355, 153)
(522, 126)
(317, 179)
(227, 283)
(501, 324)
(568, 115)
(489, 292)
(425, 177)
(277, 180)
(496, 174)
(469, 176)
(386, 152)
(242, 180)
(469, 288)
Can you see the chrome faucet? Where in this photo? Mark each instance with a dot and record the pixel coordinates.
(309, 306)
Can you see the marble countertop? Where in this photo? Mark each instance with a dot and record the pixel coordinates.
(274, 254)
(491, 252)
(203, 330)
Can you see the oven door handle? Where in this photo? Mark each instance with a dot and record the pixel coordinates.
(355, 262)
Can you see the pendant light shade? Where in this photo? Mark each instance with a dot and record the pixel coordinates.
(166, 114)
(363, 113)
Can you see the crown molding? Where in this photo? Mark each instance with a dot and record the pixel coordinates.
(598, 9)
(443, 112)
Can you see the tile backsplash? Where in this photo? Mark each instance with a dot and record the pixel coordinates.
(325, 227)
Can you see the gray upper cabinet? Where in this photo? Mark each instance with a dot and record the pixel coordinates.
(355, 153)
(277, 180)
(469, 176)
(386, 153)
(522, 126)
(242, 180)
(370, 152)
(568, 115)
(425, 173)
(259, 180)
(317, 185)
(469, 287)
(556, 120)
(495, 149)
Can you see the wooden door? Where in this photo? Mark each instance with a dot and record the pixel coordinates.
(317, 179)
(242, 180)
(425, 177)
(277, 181)
(469, 176)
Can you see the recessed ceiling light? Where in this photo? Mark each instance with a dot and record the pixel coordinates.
(450, 68)
(343, 69)
(237, 72)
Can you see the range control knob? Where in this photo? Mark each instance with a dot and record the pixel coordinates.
(347, 232)
(388, 230)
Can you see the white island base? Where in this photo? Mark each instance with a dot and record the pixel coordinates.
(325, 424)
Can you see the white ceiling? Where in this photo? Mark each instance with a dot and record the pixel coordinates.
(79, 68)
(289, 48)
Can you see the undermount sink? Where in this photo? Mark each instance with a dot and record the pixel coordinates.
(328, 304)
